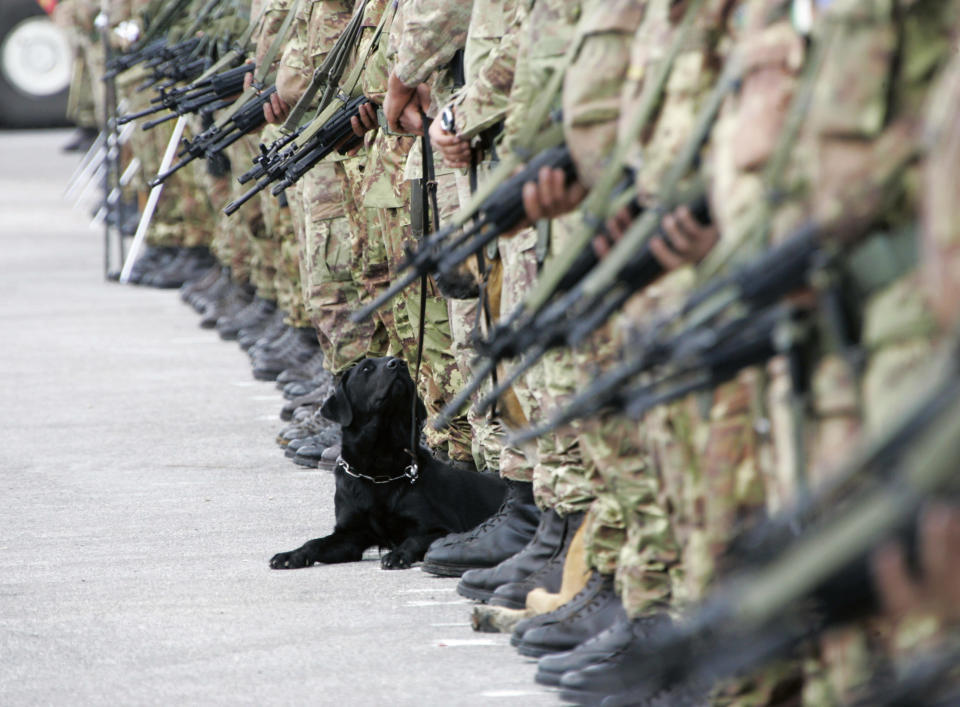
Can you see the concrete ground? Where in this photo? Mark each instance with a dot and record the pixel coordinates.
(142, 495)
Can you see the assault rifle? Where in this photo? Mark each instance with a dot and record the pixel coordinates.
(285, 164)
(500, 212)
(121, 62)
(566, 320)
(216, 138)
(193, 98)
(820, 578)
(683, 335)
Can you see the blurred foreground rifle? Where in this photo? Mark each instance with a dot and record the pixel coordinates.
(820, 578)
(151, 44)
(195, 97)
(285, 164)
(247, 118)
(690, 334)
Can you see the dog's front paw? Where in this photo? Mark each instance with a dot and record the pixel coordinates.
(396, 560)
(292, 560)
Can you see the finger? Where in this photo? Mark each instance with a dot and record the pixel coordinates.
(898, 594)
(357, 127)
(679, 240)
(268, 113)
(576, 193)
(532, 200)
(369, 116)
(936, 555)
(666, 257)
(558, 191)
(601, 246)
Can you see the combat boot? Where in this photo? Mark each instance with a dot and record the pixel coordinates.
(595, 608)
(301, 348)
(235, 298)
(152, 259)
(503, 534)
(202, 283)
(604, 646)
(315, 398)
(546, 547)
(189, 264)
(201, 299)
(308, 371)
(618, 672)
(268, 329)
(257, 311)
(272, 341)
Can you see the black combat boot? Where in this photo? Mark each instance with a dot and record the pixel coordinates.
(231, 301)
(300, 349)
(548, 543)
(258, 311)
(595, 608)
(265, 330)
(620, 672)
(151, 260)
(202, 283)
(304, 373)
(190, 263)
(503, 534)
(604, 646)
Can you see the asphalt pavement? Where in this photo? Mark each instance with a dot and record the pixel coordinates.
(143, 494)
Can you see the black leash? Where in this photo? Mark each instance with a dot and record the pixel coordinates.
(431, 223)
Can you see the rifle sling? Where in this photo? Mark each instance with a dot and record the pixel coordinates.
(328, 74)
(349, 88)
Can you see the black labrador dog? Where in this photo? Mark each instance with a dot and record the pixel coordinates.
(382, 499)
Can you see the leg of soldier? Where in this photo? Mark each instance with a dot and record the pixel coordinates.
(333, 246)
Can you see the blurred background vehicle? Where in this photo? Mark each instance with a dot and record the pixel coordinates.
(35, 65)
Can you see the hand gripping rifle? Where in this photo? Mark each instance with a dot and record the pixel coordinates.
(499, 213)
(284, 163)
(821, 577)
(750, 289)
(571, 320)
(248, 117)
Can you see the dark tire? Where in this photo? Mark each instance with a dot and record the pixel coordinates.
(35, 67)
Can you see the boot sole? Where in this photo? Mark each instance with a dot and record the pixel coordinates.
(578, 697)
(481, 595)
(445, 570)
(548, 678)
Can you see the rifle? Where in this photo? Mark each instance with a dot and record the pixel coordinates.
(500, 212)
(751, 288)
(216, 138)
(193, 98)
(287, 166)
(821, 578)
(565, 321)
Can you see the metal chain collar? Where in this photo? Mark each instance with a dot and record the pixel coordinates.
(412, 472)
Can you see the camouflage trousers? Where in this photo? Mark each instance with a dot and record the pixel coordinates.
(902, 366)
(331, 235)
(184, 217)
(81, 107)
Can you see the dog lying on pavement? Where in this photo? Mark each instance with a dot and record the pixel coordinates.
(382, 498)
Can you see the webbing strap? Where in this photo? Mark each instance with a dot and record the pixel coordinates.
(327, 75)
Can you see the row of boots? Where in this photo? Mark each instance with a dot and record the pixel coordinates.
(528, 569)
(278, 352)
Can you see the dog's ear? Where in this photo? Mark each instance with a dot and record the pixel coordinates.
(337, 407)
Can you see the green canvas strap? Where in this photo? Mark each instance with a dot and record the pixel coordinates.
(327, 76)
(350, 87)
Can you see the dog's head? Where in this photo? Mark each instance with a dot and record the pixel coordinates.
(374, 388)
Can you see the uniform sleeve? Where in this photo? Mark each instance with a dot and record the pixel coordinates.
(433, 32)
(483, 102)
